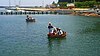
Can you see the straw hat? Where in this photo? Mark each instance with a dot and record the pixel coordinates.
(50, 23)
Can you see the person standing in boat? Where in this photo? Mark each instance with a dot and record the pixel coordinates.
(50, 27)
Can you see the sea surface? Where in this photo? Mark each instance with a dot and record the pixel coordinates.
(21, 38)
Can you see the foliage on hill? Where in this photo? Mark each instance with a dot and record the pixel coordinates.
(62, 4)
(86, 4)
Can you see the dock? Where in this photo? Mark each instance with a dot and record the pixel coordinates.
(26, 12)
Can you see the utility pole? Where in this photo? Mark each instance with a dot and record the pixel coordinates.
(9, 3)
(43, 3)
(15, 2)
(19, 2)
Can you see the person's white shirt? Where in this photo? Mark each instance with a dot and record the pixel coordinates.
(61, 31)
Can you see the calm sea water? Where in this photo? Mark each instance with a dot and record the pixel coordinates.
(19, 38)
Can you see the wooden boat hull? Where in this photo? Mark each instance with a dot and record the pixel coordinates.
(50, 35)
(30, 20)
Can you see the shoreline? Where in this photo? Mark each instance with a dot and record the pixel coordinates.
(73, 11)
(86, 14)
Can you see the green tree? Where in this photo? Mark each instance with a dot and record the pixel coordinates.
(78, 4)
(86, 4)
(97, 5)
(62, 4)
(54, 3)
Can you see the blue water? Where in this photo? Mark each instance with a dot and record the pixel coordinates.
(19, 38)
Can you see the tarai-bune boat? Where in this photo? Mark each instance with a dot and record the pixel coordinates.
(30, 20)
(51, 35)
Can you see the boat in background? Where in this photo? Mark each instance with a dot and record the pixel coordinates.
(30, 19)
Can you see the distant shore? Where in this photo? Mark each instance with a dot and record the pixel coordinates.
(74, 11)
(86, 12)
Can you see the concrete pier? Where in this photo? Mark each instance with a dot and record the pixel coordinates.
(26, 12)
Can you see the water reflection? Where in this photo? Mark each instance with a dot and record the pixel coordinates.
(54, 46)
(29, 22)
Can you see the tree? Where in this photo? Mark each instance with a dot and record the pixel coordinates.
(86, 4)
(54, 3)
(62, 4)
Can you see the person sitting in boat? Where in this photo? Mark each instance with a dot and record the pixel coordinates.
(50, 27)
(27, 16)
(30, 17)
(60, 32)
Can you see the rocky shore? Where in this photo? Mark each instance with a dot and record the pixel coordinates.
(86, 12)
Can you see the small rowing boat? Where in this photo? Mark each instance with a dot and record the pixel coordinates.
(51, 35)
(30, 20)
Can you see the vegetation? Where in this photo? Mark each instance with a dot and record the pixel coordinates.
(97, 3)
(62, 4)
(54, 3)
(86, 4)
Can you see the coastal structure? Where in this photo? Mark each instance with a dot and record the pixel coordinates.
(25, 12)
